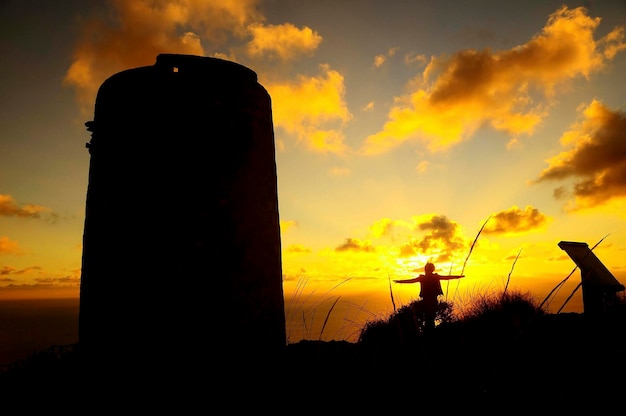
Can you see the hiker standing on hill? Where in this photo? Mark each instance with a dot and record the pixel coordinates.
(430, 289)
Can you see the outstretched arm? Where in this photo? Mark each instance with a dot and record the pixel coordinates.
(414, 280)
(450, 277)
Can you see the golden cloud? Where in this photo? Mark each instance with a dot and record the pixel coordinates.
(597, 158)
(439, 237)
(515, 220)
(8, 246)
(443, 234)
(382, 227)
(455, 96)
(9, 208)
(379, 60)
(286, 225)
(284, 41)
(313, 109)
(142, 29)
(29, 270)
(297, 249)
(6, 270)
(355, 244)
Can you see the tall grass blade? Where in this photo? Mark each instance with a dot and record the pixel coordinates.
(339, 284)
(327, 315)
(306, 330)
(300, 301)
(562, 282)
(596, 245)
(393, 302)
(508, 279)
(569, 297)
(473, 244)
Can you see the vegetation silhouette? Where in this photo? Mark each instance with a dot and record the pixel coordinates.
(503, 346)
(407, 323)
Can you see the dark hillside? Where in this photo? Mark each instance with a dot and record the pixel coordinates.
(529, 360)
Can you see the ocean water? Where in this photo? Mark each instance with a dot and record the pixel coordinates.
(332, 318)
(29, 326)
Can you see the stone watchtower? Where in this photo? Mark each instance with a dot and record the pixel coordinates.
(181, 257)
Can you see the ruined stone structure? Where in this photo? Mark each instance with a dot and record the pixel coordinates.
(181, 261)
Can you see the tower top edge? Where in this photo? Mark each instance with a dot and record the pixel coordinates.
(197, 63)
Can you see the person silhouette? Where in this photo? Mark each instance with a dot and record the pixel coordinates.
(430, 289)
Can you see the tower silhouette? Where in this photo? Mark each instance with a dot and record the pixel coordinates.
(181, 261)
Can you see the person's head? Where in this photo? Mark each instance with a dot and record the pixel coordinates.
(429, 268)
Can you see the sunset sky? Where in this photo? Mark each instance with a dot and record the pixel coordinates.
(401, 128)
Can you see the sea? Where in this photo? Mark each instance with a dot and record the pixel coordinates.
(29, 326)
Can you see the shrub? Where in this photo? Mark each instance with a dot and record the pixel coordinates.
(405, 324)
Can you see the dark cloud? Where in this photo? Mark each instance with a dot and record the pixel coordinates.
(354, 244)
(441, 231)
(596, 158)
(6, 270)
(515, 220)
(441, 238)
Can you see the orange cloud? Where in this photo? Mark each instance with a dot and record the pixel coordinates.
(379, 60)
(354, 244)
(29, 270)
(455, 96)
(286, 225)
(9, 247)
(297, 249)
(413, 58)
(384, 227)
(6, 270)
(313, 109)
(9, 208)
(65, 280)
(443, 236)
(142, 29)
(515, 220)
(284, 41)
(597, 158)
(439, 237)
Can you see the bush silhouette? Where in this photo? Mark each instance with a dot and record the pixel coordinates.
(406, 324)
(502, 315)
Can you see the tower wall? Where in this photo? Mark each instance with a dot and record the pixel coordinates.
(181, 247)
